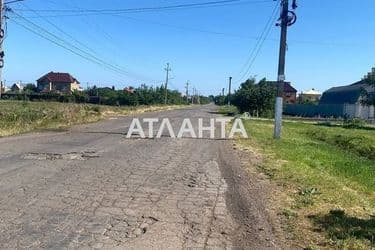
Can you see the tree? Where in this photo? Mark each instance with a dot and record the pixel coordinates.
(256, 98)
(108, 96)
(220, 100)
(369, 96)
(80, 96)
(30, 88)
(370, 78)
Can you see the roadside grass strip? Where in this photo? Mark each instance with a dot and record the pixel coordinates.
(328, 173)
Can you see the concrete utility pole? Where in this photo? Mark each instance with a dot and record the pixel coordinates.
(2, 36)
(187, 92)
(229, 90)
(168, 69)
(287, 18)
(193, 96)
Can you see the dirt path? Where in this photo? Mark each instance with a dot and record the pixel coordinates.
(90, 187)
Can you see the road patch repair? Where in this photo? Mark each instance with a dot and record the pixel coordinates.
(56, 156)
(84, 190)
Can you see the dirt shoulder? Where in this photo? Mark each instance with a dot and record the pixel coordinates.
(250, 200)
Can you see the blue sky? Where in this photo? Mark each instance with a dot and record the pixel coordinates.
(331, 44)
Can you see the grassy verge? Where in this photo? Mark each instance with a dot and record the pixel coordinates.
(227, 110)
(328, 177)
(20, 117)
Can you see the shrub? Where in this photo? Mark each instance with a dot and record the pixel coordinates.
(354, 123)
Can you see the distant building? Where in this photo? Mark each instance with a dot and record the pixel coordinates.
(129, 90)
(290, 93)
(58, 82)
(310, 96)
(17, 87)
(351, 98)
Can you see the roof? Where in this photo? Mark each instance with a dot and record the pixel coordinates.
(311, 92)
(346, 94)
(19, 85)
(58, 77)
(287, 87)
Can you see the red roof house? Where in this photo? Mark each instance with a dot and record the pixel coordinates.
(58, 82)
(290, 93)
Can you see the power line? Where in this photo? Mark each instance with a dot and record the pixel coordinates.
(80, 43)
(61, 30)
(67, 45)
(115, 47)
(189, 28)
(71, 47)
(13, 1)
(93, 24)
(213, 32)
(118, 67)
(57, 43)
(154, 22)
(151, 9)
(322, 43)
(256, 49)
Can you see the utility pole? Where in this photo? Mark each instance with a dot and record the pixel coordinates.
(230, 89)
(223, 92)
(287, 18)
(193, 96)
(2, 36)
(187, 92)
(168, 69)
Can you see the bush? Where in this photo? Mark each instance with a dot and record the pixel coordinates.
(256, 98)
(354, 123)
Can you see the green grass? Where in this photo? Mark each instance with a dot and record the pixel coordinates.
(20, 117)
(321, 169)
(358, 143)
(227, 110)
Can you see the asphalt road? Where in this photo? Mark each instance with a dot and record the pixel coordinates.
(91, 188)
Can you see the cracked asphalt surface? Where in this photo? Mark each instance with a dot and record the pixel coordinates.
(91, 188)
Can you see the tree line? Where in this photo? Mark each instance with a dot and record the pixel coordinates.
(143, 95)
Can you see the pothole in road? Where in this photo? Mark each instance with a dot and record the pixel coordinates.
(128, 228)
(191, 181)
(56, 156)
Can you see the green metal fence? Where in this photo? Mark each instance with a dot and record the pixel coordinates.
(322, 110)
